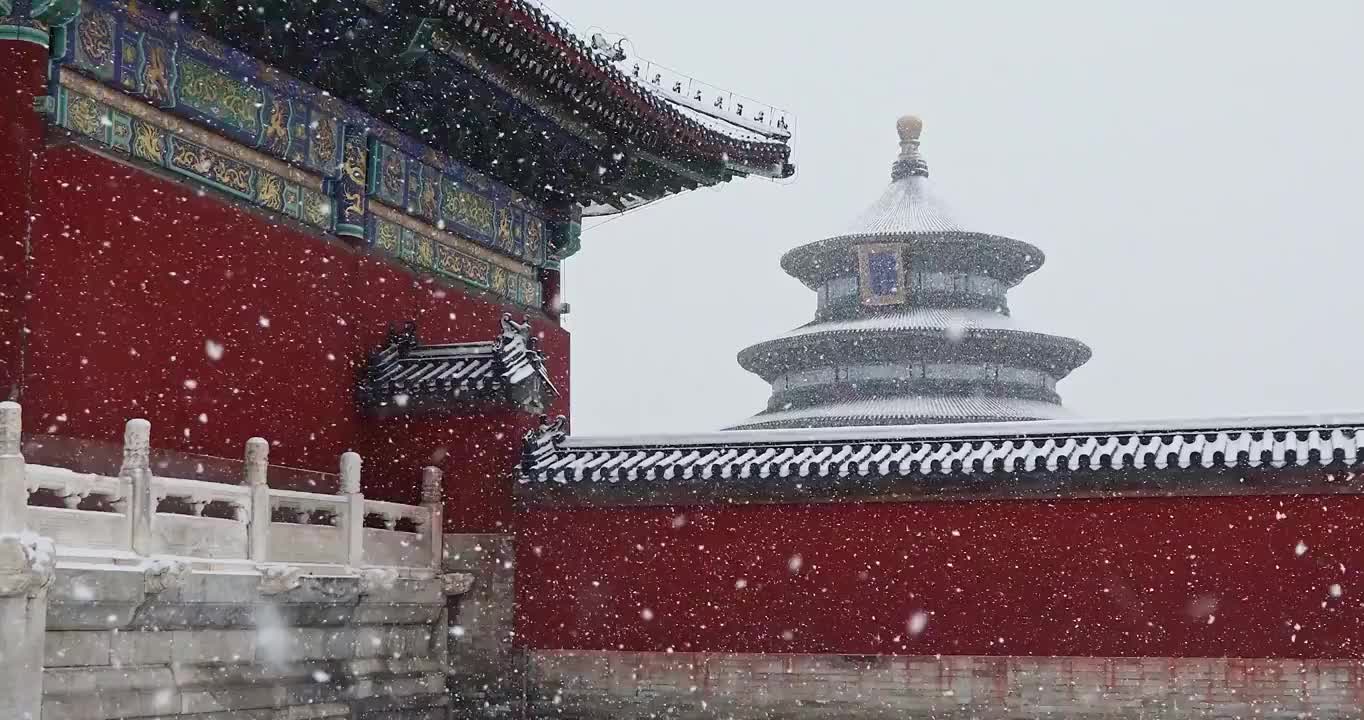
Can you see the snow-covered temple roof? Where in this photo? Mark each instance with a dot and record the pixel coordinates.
(909, 205)
(912, 323)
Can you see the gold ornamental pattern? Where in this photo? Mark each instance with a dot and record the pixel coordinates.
(219, 95)
(85, 116)
(95, 43)
(147, 143)
(205, 163)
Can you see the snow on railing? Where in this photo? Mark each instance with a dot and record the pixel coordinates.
(140, 513)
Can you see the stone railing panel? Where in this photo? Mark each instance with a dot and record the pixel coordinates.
(194, 536)
(307, 527)
(199, 519)
(136, 512)
(396, 516)
(402, 536)
(394, 548)
(93, 511)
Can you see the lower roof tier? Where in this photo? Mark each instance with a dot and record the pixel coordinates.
(924, 334)
(907, 410)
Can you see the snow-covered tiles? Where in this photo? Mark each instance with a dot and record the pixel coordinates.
(966, 450)
(914, 409)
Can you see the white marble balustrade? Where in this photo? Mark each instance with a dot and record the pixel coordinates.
(138, 513)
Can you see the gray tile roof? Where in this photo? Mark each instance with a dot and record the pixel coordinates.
(967, 451)
(406, 374)
(908, 207)
(599, 85)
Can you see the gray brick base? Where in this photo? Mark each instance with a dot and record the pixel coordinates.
(486, 679)
(217, 647)
(685, 686)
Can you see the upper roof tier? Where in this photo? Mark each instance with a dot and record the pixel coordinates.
(503, 87)
(911, 211)
(909, 206)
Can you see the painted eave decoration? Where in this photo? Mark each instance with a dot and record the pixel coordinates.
(616, 100)
(406, 377)
(137, 83)
(498, 85)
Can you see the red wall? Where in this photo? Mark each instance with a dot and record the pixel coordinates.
(132, 274)
(23, 76)
(1152, 577)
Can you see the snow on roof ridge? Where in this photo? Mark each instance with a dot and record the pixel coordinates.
(920, 406)
(919, 318)
(1023, 428)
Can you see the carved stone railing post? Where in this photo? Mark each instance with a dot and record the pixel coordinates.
(136, 475)
(13, 487)
(26, 566)
(355, 509)
(433, 500)
(254, 477)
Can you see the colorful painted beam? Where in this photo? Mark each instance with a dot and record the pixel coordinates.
(137, 82)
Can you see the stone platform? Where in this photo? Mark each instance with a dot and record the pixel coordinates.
(693, 686)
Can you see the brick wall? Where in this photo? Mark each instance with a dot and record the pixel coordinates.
(591, 685)
(1225, 576)
(226, 645)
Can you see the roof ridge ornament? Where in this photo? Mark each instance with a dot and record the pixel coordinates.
(522, 359)
(910, 163)
(542, 441)
(404, 335)
(511, 330)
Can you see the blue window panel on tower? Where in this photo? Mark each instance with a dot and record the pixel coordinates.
(883, 273)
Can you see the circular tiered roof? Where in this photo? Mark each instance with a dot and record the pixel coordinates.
(913, 325)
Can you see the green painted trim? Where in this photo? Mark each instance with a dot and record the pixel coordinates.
(474, 286)
(213, 184)
(309, 204)
(460, 278)
(470, 287)
(22, 33)
(62, 96)
(372, 153)
(55, 13)
(58, 43)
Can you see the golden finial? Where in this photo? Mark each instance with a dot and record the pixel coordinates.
(909, 128)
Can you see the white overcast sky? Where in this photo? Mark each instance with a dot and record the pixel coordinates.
(1194, 172)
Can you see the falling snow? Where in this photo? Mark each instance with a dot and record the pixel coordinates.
(940, 558)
